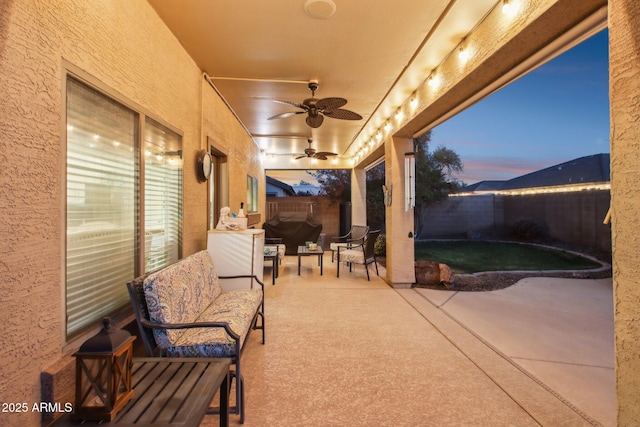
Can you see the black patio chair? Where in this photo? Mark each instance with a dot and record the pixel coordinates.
(363, 253)
(355, 236)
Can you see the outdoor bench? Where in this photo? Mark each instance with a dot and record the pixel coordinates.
(183, 311)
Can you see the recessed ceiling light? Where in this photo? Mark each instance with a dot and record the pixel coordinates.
(320, 9)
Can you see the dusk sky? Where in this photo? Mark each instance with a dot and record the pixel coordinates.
(554, 114)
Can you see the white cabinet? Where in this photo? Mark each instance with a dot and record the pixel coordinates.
(237, 253)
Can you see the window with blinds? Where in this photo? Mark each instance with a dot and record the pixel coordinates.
(163, 195)
(104, 209)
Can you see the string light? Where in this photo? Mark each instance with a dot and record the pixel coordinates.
(434, 80)
(463, 54)
(509, 7)
(413, 103)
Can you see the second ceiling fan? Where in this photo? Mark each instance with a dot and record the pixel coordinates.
(317, 109)
(313, 154)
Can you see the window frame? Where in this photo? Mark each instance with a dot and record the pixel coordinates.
(125, 313)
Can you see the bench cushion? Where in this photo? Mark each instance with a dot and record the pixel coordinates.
(236, 308)
(180, 292)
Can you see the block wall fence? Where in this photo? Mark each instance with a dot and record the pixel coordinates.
(575, 218)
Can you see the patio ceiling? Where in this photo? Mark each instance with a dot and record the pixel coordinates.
(374, 54)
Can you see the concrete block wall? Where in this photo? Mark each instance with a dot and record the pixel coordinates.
(461, 214)
(570, 217)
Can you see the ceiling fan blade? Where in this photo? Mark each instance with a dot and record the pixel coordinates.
(315, 121)
(325, 153)
(342, 114)
(287, 114)
(319, 156)
(330, 103)
(295, 104)
(301, 156)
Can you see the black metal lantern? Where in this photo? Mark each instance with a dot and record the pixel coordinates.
(103, 373)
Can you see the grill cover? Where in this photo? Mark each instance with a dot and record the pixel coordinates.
(294, 228)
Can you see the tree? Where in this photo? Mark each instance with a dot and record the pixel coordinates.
(434, 176)
(334, 183)
(375, 199)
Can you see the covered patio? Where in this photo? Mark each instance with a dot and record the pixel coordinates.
(345, 351)
(358, 352)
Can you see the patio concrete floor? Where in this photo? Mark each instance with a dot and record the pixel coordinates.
(345, 351)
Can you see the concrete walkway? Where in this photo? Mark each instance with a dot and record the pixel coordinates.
(347, 351)
(560, 331)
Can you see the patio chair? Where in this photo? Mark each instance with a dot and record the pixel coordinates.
(363, 253)
(355, 236)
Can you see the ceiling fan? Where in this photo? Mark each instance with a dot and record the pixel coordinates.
(317, 109)
(313, 154)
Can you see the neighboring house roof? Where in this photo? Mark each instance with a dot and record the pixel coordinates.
(288, 190)
(484, 186)
(583, 170)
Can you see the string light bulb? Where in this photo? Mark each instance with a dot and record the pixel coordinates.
(464, 54)
(413, 103)
(509, 7)
(434, 80)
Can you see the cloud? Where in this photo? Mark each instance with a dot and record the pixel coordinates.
(501, 168)
(451, 144)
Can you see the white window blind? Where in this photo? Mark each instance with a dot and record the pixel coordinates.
(104, 209)
(101, 205)
(163, 195)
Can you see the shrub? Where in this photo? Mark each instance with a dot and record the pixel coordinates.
(380, 247)
(527, 230)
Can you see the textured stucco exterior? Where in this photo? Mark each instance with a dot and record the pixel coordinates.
(120, 46)
(398, 222)
(624, 81)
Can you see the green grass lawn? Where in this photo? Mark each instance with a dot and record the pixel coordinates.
(476, 256)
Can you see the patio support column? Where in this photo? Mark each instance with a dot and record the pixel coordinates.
(358, 196)
(399, 224)
(624, 86)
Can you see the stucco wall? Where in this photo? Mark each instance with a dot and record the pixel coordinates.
(624, 87)
(120, 45)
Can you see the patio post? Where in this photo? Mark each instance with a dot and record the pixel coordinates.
(358, 196)
(398, 220)
(624, 83)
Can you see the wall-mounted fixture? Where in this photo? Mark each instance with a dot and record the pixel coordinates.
(387, 194)
(409, 181)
